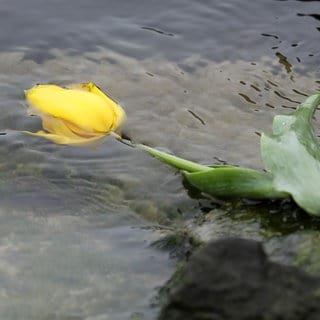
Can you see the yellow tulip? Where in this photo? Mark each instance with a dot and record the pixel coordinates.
(79, 114)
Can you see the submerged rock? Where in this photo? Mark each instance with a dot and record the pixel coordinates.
(233, 279)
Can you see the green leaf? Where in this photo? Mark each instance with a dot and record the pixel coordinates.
(234, 182)
(292, 155)
(224, 181)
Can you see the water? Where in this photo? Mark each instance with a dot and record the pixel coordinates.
(200, 79)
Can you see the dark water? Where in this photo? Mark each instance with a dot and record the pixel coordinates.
(175, 30)
(201, 79)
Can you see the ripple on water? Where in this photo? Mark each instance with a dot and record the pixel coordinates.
(67, 241)
(203, 114)
(216, 31)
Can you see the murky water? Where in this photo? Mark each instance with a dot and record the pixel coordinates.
(200, 79)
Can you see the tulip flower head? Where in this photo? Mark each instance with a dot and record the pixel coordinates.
(79, 114)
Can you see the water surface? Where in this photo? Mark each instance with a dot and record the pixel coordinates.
(199, 79)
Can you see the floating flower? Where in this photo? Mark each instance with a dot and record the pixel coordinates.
(79, 114)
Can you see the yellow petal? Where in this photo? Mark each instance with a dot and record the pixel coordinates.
(63, 128)
(93, 88)
(92, 111)
(58, 126)
(59, 139)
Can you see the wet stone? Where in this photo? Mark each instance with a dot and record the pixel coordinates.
(234, 279)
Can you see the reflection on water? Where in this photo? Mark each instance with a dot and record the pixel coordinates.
(199, 80)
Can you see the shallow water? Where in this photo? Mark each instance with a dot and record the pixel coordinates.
(200, 79)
